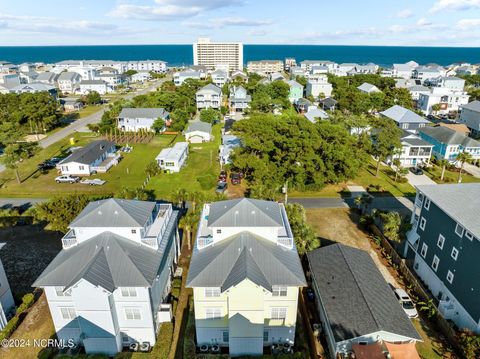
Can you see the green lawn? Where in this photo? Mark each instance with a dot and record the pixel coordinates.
(130, 172)
(202, 161)
(435, 173)
(89, 110)
(385, 179)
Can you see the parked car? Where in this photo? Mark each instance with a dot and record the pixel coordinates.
(222, 177)
(416, 171)
(46, 165)
(221, 187)
(67, 179)
(406, 303)
(235, 178)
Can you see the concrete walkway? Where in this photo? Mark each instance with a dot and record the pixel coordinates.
(473, 170)
(419, 180)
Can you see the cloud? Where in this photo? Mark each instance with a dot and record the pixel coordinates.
(468, 24)
(257, 32)
(170, 9)
(220, 23)
(404, 14)
(442, 5)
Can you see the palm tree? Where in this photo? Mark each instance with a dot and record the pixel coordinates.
(443, 164)
(195, 197)
(179, 197)
(187, 223)
(462, 158)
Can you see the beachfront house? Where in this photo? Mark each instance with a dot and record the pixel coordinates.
(444, 245)
(109, 286)
(246, 274)
(172, 159)
(137, 119)
(97, 156)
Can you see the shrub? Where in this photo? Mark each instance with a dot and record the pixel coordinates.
(164, 342)
(27, 301)
(189, 347)
(9, 328)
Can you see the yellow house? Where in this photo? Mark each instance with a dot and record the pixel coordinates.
(246, 274)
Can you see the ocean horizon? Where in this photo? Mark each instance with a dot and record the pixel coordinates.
(181, 55)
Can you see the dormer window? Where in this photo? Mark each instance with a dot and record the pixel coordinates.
(134, 231)
(219, 231)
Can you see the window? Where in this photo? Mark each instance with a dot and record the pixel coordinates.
(125, 338)
(134, 231)
(133, 314)
(219, 231)
(68, 312)
(60, 293)
(81, 168)
(427, 204)
(454, 253)
(441, 241)
(435, 263)
(469, 235)
(265, 335)
(279, 313)
(225, 337)
(459, 230)
(279, 291)
(423, 222)
(423, 252)
(404, 126)
(212, 292)
(213, 313)
(129, 292)
(450, 277)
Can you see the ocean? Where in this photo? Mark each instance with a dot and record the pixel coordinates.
(178, 55)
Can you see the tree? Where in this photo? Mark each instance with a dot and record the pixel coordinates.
(391, 222)
(362, 202)
(93, 98)
(130, 72)
(139, 194)
(187, 223)
(152, 168)
(436, 108)
(60, 211)
(443, 163)
(15, 153)
(195, 197)
(469, 344)
(179, 196)
(305, 238)
(396, 162)
(462, 158)
(385, 141)
(209, 115)
(158, 125)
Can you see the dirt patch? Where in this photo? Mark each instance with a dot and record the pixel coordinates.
(28, 252)
(338, 226)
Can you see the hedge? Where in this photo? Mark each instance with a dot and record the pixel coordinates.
(27, 301)
(164, 342)
(9, 328)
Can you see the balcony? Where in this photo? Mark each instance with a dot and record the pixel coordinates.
(159, 226)
(69, 239)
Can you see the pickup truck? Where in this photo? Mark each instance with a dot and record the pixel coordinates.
(93, 182)
(67, 179)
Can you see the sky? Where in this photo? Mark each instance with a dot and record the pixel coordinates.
(338, 22)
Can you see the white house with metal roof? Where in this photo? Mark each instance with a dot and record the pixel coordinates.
(198, 132)
(100, 86)
(405, 119)
(136, 119)
(368, 88)
(172, 159)
(470, 115)
(414, 151)
(109, 285)
(7, 304)
(246, 274)
(68, 82)
(97, 156)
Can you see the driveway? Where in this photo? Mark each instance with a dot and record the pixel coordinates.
(419, 180)
(473, 170)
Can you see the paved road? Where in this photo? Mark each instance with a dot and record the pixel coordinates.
(384, 203)
(418, 180)
(473, 170)
(81, 123)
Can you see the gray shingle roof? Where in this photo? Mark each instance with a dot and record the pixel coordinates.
(459, 201)
(245, 256)
(402, 115)
(355, 296)
(199, 126)
(90, 153)
(114, 212)
(107, 260)
(153, 113)
(473, 106)
(448, 136)
(245, 212)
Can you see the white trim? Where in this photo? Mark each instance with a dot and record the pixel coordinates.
(278, 313)
(213, 313)
(454, 253)
(440, 241)
(424, 250)
(462, 231)
(68, 312)
(450, 277)
(469, 235)
(427, 204)
(422, 224)
(211, 292)
(132, 313)
(435, 263)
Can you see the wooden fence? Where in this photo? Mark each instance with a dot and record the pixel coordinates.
(420, 291)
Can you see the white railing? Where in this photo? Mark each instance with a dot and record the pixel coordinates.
(203, 242)
(150, 241)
